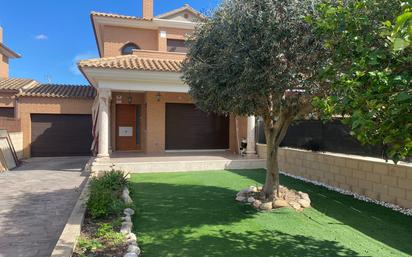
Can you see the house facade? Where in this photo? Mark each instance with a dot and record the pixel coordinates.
(142, 104)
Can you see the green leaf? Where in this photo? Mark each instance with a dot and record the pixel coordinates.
(400, 44)
(403, 96)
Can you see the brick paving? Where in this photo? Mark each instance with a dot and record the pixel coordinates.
(36, 200)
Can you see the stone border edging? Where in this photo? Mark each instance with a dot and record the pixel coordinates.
(392, 206)
(133, 249)
(71, 232)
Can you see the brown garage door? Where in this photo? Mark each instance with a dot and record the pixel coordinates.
(188, 128)
(60, 135)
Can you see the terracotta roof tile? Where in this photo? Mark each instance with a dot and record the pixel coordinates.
(185, 7)
(113, 15)
(15, 84)
(60, 91)
(131, 62)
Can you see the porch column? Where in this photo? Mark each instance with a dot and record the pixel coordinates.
(104, 96)
(109, 111)
(251, 144)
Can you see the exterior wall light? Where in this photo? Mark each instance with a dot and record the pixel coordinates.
(130, 98)
(158, 97)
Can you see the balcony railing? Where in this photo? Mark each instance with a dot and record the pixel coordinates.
(159, 55)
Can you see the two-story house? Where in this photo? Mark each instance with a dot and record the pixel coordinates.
(142, 104)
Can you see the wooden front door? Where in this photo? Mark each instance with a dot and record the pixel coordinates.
(128, 137)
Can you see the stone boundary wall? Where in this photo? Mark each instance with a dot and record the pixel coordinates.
(371, 177)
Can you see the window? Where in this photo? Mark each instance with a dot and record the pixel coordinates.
(7, 112)
(176, 45)
(128, 48)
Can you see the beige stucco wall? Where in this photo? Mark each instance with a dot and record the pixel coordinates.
(366, 176)
(44, 105)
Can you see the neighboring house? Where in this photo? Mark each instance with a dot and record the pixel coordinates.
(142, 104)
(7, 99)
(44, 119)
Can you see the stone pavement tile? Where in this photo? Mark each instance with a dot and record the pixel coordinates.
(35, 202)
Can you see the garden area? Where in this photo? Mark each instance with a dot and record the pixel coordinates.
(195, 214)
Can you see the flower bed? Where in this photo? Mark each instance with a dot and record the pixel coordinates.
(105, 232)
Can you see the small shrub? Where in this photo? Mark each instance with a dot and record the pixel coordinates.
(311, 145)
(89, 245)
(106, 231)
(105, 195)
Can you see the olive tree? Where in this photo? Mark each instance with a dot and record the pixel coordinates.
(257, 57)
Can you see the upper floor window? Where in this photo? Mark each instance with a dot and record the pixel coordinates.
(176, 45)
(128, 48)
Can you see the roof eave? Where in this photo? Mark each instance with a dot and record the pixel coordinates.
(8, 52)
(186, 7)
(95, 35)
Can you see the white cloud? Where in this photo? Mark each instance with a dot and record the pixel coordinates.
(41, 37)
(83, 56)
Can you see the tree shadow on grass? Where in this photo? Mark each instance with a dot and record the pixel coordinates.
(166, 206)
(170, 217)
(385, 225)
(250, 243)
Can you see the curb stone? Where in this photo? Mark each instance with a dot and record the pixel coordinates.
(68, 238)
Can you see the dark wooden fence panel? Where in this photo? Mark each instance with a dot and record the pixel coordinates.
(326, 137)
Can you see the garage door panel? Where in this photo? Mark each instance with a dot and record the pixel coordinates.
(60, 135)
(188, 128)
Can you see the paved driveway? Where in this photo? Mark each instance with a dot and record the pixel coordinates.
(35, 202)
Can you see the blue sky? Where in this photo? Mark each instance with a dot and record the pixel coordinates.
(51, 35)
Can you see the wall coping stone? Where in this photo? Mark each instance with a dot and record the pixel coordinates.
(348, 156)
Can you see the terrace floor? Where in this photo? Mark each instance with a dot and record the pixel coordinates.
(135, 162)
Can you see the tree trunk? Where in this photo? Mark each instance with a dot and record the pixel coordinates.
(272, 172)
(275, 132)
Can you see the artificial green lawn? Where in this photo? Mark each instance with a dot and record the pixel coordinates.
(195, 214)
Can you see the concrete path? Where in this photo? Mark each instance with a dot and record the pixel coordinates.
(36, 200)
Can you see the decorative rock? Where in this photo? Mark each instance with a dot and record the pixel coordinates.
(128, 211)
(126, 227)
(127, 218)
(295, 205)
(259, 188)
(279, 203)
(266, 206)
(304, 203)
(257, 204)
(304, 196)
(132, 236)
(252, 189)
(133, 249)
(240, 198)
(131, 255)
(251, 200)
(131, 242)
(126, 197)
